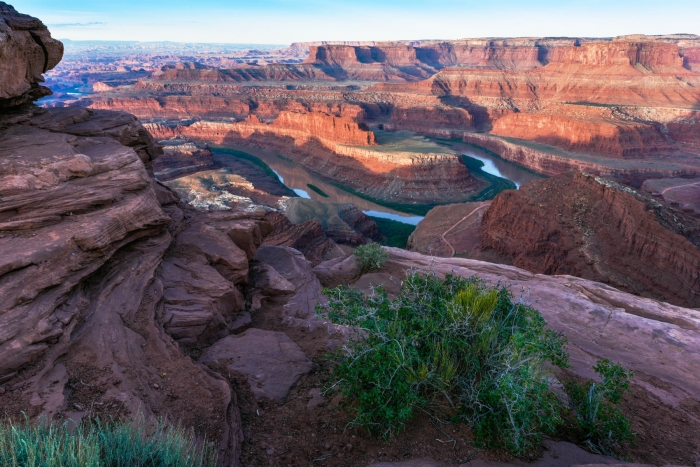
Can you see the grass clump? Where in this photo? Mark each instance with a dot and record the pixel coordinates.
(112, 444)
(453, 348)
(599, 421)
(316, 189)
(370, 257)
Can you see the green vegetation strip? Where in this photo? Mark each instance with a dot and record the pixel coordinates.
(396, 233)
(460, 351)
(247, 157)
(493, 154)
(417, 209)
(317, 190)
(257, 162)
(95, 444)
(496, 184)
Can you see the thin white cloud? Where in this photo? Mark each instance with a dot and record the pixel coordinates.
(75, 25)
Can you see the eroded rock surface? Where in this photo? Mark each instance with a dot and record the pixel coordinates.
(590, 227)
(307, 237)
(292, 266)
(271, 362)
(342, 222)
(27, 50)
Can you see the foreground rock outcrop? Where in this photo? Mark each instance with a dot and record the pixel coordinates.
(656, 340)
(102, 269)
(27, 50)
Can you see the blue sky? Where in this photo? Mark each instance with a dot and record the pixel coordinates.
(285, 21)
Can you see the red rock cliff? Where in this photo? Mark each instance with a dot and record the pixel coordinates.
(339, 149)
(588, 227)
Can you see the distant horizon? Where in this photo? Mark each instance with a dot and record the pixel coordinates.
(108, 41)
(287, 21)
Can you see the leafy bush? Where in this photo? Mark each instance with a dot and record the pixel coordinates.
(370, 257)
(100, 445)
(599, 422)
(450, 347)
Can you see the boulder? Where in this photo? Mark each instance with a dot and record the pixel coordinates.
(293, 267)
(271, 362)
(269, 281)
(202, 273)
(218, 248)
(198, 303)
(27, 50)
(337, 271)
(307, 237)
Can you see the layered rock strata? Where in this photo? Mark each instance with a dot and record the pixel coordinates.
(589, 227)
(342, 151)
(307, 237)
(625, 108)
(182, 158)
(102, 270)
(342, 222)
(91, 291)
(27, 50)
(550, 160)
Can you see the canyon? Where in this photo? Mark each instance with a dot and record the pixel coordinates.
(342, 150)
(155, 264)
(626, 108)
(581, 225)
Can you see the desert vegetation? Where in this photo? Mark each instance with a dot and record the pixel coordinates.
(461, 351)
(370, 257)
(98, 444)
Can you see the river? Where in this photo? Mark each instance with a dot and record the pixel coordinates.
(296, 178)
(497, 166)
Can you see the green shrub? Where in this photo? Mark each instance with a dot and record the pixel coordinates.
(453, 348)
(599, 422)
(100, 445)
(370, 257)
